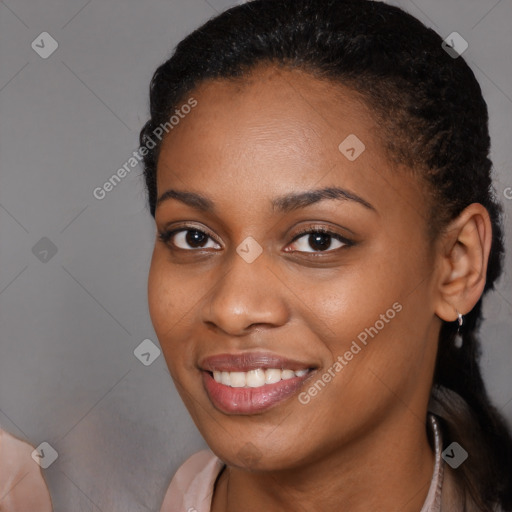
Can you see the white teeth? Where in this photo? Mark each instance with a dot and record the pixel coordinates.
(226, 378)
(256, 378)
(237, 379)
(272, 375)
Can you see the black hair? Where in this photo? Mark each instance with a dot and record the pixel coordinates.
(434, 121)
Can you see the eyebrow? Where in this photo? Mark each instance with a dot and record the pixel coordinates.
(283, 204)
(297, 200)
(192, 199)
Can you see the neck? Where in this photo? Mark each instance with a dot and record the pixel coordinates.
(389, 468)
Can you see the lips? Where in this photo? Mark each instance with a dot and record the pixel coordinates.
(249, 361)
(251, 383)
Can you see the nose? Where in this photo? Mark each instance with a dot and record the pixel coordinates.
(246, 296)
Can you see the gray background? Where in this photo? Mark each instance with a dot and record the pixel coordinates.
(69, 325)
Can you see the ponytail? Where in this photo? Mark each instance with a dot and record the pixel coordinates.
(466, 415)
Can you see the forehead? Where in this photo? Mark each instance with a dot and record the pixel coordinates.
(287, 115)
(269, 99)
(275, 130)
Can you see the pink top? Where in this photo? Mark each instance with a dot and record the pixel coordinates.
(22, 487)
(191, 488)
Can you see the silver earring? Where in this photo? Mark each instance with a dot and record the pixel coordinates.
(458, 341)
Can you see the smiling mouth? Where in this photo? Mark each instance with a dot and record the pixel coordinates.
(252, 382)
(254, 391)
(256, 378)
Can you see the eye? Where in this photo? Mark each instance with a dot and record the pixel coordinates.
(319, 240)
(188, 239)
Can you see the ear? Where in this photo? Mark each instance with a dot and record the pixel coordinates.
(462, 262)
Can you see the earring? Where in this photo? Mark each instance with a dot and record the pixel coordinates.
(458, 341)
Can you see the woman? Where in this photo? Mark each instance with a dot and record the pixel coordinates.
(318, 172)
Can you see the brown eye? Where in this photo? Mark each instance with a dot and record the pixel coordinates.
(318, 240)
(195, 238)
(188, 239)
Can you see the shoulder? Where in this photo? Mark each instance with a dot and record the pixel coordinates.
(22, 486)
(192, 485)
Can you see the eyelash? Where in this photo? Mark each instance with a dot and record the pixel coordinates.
(323, 230)
(166, 237)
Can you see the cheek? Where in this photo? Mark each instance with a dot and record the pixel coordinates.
(170, 293)
(160, 301)
(364, 315)
(347, 302)
(172, 299)
(167, 305)
(383, 353)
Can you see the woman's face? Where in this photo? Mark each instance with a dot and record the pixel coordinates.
(321, 337)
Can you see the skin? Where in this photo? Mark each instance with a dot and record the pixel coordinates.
(246, 143)
(22, 486)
